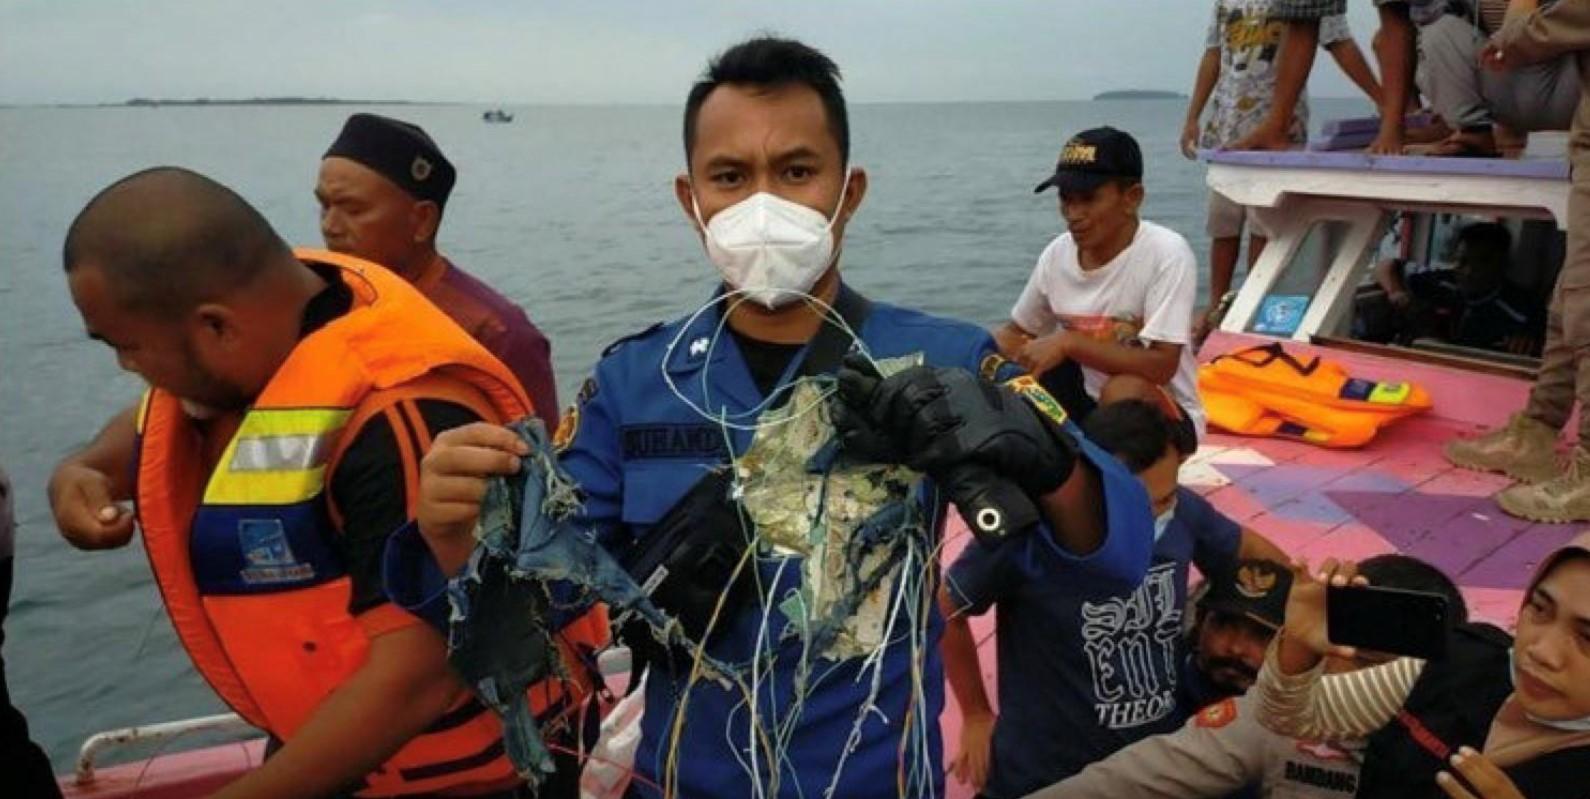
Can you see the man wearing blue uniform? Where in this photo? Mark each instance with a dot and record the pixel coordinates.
(770, 189)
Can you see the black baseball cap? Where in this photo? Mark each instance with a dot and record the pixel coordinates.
(1253, 589)
(1094, 157)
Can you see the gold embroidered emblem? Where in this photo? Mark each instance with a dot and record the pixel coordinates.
(567, 426)
(1078, 153)
(989, 368)
(1254, 583)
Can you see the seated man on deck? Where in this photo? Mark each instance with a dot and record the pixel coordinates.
(1473, 304)
(291, 397)
(1085, 673)
(1107, 311)
(769, 187)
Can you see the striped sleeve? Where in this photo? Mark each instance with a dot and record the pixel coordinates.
(1317, 706)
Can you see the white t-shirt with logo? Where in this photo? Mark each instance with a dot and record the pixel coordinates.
(1146, 293)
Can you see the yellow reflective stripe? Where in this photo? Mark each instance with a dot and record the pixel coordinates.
(278, 457)
(143, 409)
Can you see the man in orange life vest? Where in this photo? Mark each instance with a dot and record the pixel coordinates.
(291, 397)
(382, 187)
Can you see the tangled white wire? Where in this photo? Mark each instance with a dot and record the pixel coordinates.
(722, 416)
(909, 606)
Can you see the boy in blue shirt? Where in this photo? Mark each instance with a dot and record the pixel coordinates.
(1085, 672)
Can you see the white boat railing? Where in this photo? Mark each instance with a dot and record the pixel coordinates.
(613, 661)
(98, 743)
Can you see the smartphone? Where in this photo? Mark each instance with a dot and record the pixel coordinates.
(1390, 620)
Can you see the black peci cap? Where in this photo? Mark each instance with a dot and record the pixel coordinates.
(1094, 157)
(401, 152)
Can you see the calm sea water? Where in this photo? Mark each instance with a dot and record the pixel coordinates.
(568, 211)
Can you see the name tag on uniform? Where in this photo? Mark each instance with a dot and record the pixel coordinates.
(668, 441)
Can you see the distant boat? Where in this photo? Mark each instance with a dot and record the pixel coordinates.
(496, 115)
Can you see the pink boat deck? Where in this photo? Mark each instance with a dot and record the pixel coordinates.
(1396, 495)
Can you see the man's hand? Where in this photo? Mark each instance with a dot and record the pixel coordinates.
(86, 513)
(1492, 59)
(970, 765)
(1042, 354)
(453, 481)
(935, 419)
(1306, 626)
(1189, 139)
(1485, 780)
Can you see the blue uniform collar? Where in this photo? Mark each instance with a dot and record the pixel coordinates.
(704, 339)
(706, 343)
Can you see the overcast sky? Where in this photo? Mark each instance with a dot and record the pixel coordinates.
(595, 51)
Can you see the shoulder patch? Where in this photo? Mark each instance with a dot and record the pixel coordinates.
(568, 425)
(586, 392)
(1027, 386)
(612, 348)
(1218, 714)
(989, 368)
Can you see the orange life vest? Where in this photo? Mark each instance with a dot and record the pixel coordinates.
(1265, 391)
(244, 557)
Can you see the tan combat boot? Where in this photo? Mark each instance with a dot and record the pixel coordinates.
(1564, 498)
(1523, 449)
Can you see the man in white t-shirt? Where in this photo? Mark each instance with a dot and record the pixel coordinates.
(1107, 313)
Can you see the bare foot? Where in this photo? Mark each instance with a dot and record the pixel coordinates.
(1427, 134)
(1470, 144)
(1266, 137)
(1509, 143)
(1387, 143)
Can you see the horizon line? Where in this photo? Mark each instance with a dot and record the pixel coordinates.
(292, 100)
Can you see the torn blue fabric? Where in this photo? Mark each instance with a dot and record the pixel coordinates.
(532, 564)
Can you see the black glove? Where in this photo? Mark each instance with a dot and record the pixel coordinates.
(932, 419)
(989, 449)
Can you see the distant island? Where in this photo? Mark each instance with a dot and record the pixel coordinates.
(1139, 94)
(146, 102)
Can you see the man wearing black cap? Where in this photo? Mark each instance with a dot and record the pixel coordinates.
(1107, 312)
(1237, 617)
(382, 188)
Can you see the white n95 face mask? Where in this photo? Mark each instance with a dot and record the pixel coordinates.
(769, 247)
